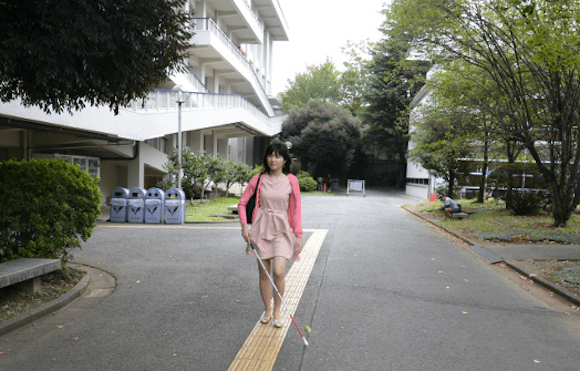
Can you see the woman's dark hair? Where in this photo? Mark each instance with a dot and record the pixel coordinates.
(280, 149)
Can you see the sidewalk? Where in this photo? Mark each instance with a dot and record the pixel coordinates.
(95, 286)
(510, 254)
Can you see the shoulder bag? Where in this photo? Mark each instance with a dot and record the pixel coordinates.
(252, 202)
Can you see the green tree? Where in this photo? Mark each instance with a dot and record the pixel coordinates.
(235, 171)
(440, 141)
(464, 89)
(242, 171)
(323, 135)
(195, 172)
(530, 50)
(353, 79)
(63, 55)
(319, 83)
(392, 82)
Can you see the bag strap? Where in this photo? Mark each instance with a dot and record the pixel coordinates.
(257, 184)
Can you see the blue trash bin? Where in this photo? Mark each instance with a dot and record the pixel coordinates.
(136, 205)
(119, 198)
(154, 206)
(174, 206)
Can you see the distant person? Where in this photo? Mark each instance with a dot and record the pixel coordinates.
(449, 206)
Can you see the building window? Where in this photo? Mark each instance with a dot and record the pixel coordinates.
(422, 181)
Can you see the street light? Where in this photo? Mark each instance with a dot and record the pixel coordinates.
(180, 99)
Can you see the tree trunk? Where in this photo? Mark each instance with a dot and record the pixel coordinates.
(561, 211)
(481, 193)
(451, 187)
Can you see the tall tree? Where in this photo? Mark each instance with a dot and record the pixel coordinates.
(466, 89)
(63, 55)
(530, 50)
(353, 78)
(324, 136)
(392, 82)
(318, 83)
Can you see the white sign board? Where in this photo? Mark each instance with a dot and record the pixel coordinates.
(355, 185)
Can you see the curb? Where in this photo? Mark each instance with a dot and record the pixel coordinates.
(45, 309)
(441, 227)
(562, 292)
(571, 297)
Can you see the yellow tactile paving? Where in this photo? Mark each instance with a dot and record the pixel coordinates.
(261, 348)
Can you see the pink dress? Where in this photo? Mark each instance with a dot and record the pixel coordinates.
(270, 230)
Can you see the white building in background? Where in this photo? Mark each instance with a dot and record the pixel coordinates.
(230, 108)
(420, 183)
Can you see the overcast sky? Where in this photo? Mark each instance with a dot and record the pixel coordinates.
(320, 28)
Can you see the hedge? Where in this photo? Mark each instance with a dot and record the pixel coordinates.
(48, 206)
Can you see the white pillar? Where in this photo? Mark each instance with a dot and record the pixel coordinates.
(136, 171)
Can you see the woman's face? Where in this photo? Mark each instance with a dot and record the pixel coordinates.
(275, 161)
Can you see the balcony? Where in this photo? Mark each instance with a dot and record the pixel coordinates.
(213, 47)
(161, 101)
(274, 18)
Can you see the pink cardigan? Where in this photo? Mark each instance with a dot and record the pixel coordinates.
(294, 206)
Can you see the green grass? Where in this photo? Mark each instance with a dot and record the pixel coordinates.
(200, 212)
(491, 221)
(318, 193)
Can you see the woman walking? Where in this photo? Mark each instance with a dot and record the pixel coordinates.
(277, 224)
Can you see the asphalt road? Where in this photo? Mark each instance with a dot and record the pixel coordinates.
(387, 292)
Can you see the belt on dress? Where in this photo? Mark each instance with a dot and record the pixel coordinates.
(272, 210)
(274, 224)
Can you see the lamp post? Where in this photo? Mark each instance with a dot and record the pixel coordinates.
(180, 99)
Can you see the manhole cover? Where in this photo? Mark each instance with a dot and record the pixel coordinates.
(570, 274)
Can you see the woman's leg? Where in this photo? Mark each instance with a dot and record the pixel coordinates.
(265, 287)
(278, 272)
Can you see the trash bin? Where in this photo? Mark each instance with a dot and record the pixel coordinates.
(119, 205)
(335, 184)
(136, 205)
(154, 205)
(174, 206)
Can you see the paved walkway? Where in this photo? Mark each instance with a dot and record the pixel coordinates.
(379, 288)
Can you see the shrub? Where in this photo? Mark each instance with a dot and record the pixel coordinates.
(526, 203)
(257, 169)
(307, 183)
(47, 206)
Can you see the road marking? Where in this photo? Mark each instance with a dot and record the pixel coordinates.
(261, 348)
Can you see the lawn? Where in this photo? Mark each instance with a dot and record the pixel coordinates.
(202, 210)
(492, 222)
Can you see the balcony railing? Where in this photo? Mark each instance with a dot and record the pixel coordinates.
(207, 24)
(196, 82)
(261, 26)
(166, 100)
(282, 13)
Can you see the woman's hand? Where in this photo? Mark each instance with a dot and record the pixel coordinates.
(298, 246)
(246, 233)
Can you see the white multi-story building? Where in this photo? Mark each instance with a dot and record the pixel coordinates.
(229, 107)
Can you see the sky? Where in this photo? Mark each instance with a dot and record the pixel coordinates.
(319, 29)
